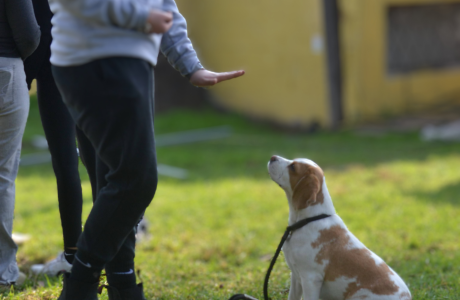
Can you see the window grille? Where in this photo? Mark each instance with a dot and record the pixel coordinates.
(423, 37)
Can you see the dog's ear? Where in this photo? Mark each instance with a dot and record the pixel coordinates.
(307, 192)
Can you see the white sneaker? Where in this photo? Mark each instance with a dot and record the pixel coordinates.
(21, 279)
(20, 238)
(7, 287)
(57, 266)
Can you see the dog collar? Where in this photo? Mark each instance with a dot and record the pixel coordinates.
(304, 222)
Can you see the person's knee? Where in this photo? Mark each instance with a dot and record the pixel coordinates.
(146, 185)
(150, 184)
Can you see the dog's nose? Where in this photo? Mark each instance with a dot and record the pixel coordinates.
(274, 158)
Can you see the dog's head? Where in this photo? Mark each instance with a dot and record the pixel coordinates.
(301, 179)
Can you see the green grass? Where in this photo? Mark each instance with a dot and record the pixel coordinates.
(213, 233)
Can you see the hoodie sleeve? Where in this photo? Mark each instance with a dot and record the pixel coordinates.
(127, 14)
(176, 45)
(26, 32)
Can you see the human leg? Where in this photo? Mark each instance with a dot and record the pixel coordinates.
(14, 108)
(111, 101)
(120, 271)
(88, 158)
(60, 133)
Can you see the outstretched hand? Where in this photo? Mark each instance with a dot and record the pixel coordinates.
(205, 78)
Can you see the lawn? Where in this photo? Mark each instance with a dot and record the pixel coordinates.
(213, 233)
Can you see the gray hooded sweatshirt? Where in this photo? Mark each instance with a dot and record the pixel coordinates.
(86, 30)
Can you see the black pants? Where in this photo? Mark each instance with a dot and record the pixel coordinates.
(60, 133)
(111, 101)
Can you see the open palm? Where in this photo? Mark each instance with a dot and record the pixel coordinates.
(205, 78)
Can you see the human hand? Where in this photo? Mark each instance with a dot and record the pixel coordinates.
(205, 78)
(158, 21)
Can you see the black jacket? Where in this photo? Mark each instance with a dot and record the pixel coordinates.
(19, 31)
(43, 15)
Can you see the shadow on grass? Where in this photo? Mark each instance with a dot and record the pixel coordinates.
(246, 153)
(447, 194)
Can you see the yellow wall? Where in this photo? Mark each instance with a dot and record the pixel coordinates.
(286, 77)
(272, 41)
(369, 93)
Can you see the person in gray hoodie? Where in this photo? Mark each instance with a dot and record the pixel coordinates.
(19, 37)
(103, 53)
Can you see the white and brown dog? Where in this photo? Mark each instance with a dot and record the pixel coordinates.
(326, 260)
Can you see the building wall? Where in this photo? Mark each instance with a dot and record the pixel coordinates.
(370, 92)
(278, 43)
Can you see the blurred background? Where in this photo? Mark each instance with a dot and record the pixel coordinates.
(369, 89)
(333, 62)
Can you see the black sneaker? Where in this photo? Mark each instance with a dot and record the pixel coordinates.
(135, 293)
(76, 290)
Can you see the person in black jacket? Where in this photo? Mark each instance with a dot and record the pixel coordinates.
(19, 37)
(60, 132)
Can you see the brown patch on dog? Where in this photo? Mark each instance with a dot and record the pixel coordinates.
(405, 296)
(307, 185)
(352, 263)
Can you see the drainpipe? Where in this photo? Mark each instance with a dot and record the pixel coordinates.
(334, 76)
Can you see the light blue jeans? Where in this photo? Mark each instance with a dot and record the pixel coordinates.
(14, 109)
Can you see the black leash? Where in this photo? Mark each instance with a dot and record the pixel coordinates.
(286, 234)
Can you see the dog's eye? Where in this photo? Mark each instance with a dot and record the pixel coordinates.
(292, 167)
